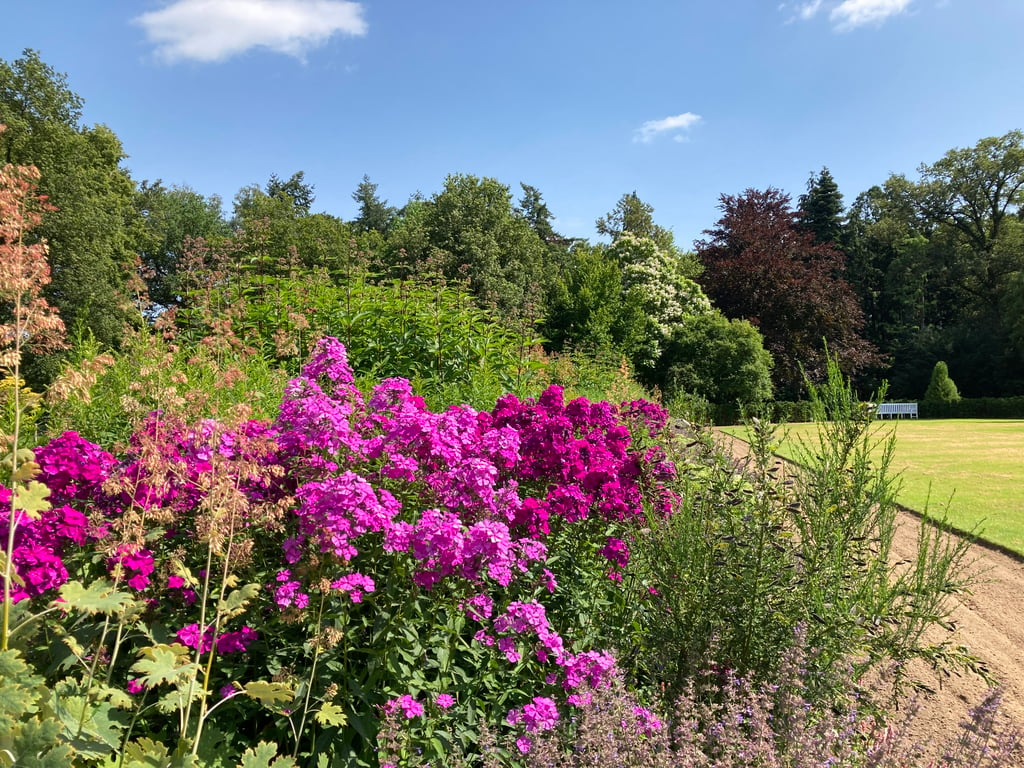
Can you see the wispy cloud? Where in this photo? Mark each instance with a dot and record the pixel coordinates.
(851, 14)
(807, 11)
(847, 14)
(215, 30)
(647, 132)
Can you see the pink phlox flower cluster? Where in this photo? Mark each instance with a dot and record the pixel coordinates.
(289, 594)
(355, 584)
(617, 553)
(541, 714)
(72, 468)
(409, 706)
(487, 546)
(646, 415)
(336, 511)
(328, 363)
(310, 421)
(228, 642)
(478, 607)
(136, 564)
(521, 618)
(444, 700)
(237, 642)
(467, 486)
(645, 723)
(437, 540)
(188, 595)
(593, 669)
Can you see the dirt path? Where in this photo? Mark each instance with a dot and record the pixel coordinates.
(989, 621)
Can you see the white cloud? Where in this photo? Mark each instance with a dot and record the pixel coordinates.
(652, 128)
(214, 30)
(809, 10)
(851, 14)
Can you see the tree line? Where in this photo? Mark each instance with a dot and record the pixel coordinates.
(912, 272)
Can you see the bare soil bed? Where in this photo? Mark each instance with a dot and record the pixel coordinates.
(989, 621)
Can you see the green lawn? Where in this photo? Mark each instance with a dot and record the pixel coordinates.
(977, 465)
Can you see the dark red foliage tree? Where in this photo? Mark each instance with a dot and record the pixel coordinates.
(761, 265)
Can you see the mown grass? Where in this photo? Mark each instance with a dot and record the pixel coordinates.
(976, 466)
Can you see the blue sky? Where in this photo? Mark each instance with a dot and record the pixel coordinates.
(680, 101)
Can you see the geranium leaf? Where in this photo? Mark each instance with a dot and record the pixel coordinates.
(331, 714)
(98, 597)
(262, 754)
(164, 664)
(269, 693)
(31, 498)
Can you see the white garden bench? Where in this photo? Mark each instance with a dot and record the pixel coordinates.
(896, 411)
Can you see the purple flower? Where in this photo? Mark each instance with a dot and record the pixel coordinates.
(444, 700)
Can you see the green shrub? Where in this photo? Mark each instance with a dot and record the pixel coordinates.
(941, 388)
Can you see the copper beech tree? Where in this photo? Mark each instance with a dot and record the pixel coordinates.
(761, 265)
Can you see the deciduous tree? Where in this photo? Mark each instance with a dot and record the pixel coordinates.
(760, 266)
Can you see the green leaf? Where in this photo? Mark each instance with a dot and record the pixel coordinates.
(269, 693)
(31, 498)
(27, 471)
(262, 754)
(331, 714)
(11, 664)
(164, 664)
(98, 597)
(236, 601)
(146, 753)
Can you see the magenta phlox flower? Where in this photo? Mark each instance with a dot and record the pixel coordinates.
(339, 509)
(468, 485)
(568, 502)
(444, 700)
(501, 446)
(329, 363)
(645, 723)
(530, 617)
(646, 415)
(289, 594)
(541, 714)
(135, 686)
(508, 647)
(487, 546)
(438, 541)
(409, 706)
(237, 642)
(392, 398)
(39, 568)
(355, 584)
(616, 552)
(310, 421)
(190, 636)
(531, 516)
(591, 668)
(529, 551)
(478, 607)
(73, 468)
(136, 565)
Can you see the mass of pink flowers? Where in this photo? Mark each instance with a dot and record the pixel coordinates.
(470, 500)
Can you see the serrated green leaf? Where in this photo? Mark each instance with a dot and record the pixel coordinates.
(26, 471)
(269, 693)
(11, 665)
(146, 753)
(14, 572)
(164, 664)
(262, 754)
(115, 696)
(16, 700)
(331, 714)
(98, 597)
(31, 498)
(237, 600)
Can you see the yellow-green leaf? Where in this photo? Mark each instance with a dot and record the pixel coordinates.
(164, 664)
(98, 597)
(331, 714)
(27, 471)
(31, 498)
(236, 601)
(269, 693)
(3, 569)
